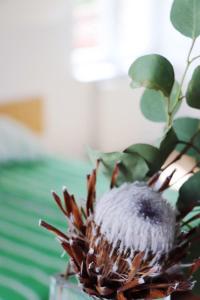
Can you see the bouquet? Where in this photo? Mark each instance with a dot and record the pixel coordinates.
(133, 242)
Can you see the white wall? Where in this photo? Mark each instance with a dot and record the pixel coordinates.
(121, 122)
(34, 61)
(35, 39)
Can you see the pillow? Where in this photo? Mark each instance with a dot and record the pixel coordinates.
(17, 143)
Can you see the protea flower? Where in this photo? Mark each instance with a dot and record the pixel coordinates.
(128, 246)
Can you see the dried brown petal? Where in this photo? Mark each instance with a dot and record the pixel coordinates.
(78, 222)
(67, 199)
(53, 229)
(104, 291)
(167, 181)
(120, 296)
(129, 285)
(91, 192)
(114, 175)
(77, 252)
(59, 203)
(136, 263)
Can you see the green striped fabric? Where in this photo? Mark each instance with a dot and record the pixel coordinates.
(29, 255)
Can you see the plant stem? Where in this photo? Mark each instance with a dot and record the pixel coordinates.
(191, 171)
(194, 58)
(188, 146)
(186, 68)
(179, 97)
(191, 145)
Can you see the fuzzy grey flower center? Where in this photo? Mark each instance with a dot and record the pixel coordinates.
(137, 218)
(148, 212)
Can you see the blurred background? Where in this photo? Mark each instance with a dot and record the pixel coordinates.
(64, 87)
(64, 65)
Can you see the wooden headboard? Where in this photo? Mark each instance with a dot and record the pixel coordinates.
(27, 111)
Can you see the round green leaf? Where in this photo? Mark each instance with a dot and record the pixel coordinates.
(193, 91)
(189, 194)
(132, 167)
(153, 105)
(149, 153)
(185, 129)
(108, 160)
(171, 196)
(154, 72)
(185, 17)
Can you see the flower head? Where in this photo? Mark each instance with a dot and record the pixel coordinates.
(137, 218)
(128, 246)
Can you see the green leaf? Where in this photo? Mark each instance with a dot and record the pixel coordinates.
(154, 106)
(185, 17)
(193, 91)
(168, 144)
(108, 160)
(186, 129)
(171, 196)
(132, 166)
(154, 72)
(189, 194)
(149, 153)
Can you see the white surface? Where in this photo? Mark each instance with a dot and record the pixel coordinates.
(17, 142)
(35, 52)
(29, 12)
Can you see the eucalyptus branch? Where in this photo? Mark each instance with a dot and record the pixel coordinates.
(190, 51)
(191, 145)
(179, 97)
(188, 146)
(178, 157)
(194, 218)
(186, 69)
(194, 58)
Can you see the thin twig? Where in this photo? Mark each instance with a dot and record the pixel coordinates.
(187, 147)
(194, 58)
(191, 171)
(191, 145)
(179, 98)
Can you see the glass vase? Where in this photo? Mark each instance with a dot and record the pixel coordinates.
(67, 289)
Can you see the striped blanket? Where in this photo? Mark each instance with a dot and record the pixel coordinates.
(29, 255)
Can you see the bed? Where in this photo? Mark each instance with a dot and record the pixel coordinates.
(28, 254)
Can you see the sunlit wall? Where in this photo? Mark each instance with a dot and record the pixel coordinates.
(75, 56)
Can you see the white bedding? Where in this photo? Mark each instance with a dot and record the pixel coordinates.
(17, 142)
